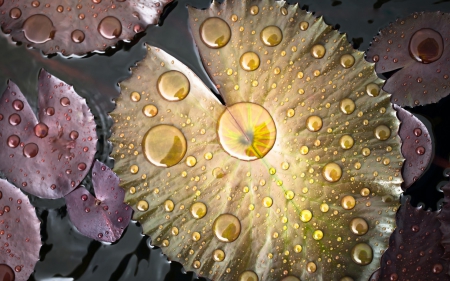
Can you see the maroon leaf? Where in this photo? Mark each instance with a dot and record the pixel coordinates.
(444, 218)
(105, 216)
(20, 240)
(417, 147)
(417, 45)
(414, 251)
(47, 157)
(77, 27)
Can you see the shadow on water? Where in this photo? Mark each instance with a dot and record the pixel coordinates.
(67, 255)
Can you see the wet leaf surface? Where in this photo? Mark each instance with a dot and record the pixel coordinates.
(105, 216)
(414, 251)
(444, 218)
(20, 239)
(417, 147)
(48, 156)
(304, 146)
(417, 48)
(79, 27)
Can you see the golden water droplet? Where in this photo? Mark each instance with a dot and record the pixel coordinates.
(284, 11)
(382, 132)
(142, 205)
(267, 202)
(249, 61)
(305, 215)
(347, 106)
(290, 112)
(372, 89)
(365, 192)
(196, 236)
(218, 173)
(311, 267)
(218, 255)
(285, 165)
(359, 226)
(314, 123)
(271, 35)
(191, 161)
(169, 205)
(132, 190)
(289, 195)
(173, 85)
(347, 61)
(348, 202)
(298, 248)
(303, 25)
(134, 169)
(304, 150)
(366, 151)
(215, 33)
(196, 264)
(248, 276)
(272, 171)
(150, 110)
(165, 243)
(318, 51)
(174, 231)
(198, 210)
(234, 18)
(227, 228)
(135, 96)
(251, 207)
(318, 235)
(164, 145)
(208, 156)
(332, 172)
(254, 10)
(346, 142)
(245, 189)
(362, 254)
(324, 207)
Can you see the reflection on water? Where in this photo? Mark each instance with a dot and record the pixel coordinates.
(67, 255)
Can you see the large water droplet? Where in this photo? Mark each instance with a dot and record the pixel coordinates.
(347, 106)
(318, 51)
(372, 89)
(6, 273)
(30, 150)
(346, 142)
(15, 13)
(362, 254)
(218, 255)
(173, 86)
(77, 36)
(38, 29)
(14, 119)
(311, 267)
(41, 130)
(347, 60)
(248, 276)
(359, 226)
(332, 172)
(150, 110)
(215, 32)
(164, 145)
(271, 36)
(246, 131)
(249, 61)
(169, 205)
(198, 210)
(13, 141)
(227, 228)
(348, 202)
(290, 278)
(426, 45)
(314, 123)
(142, 205)
(382, 132)
(110, 27)
(305, 215)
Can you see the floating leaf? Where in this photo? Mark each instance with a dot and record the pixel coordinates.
(444, 218)
(417, 46)
(77, 27)
(414, 251)
(20, 239)
(417, 147)
(105, 216)
(47, 157)
(297, 177)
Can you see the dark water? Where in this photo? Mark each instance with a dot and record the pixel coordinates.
(67, 255)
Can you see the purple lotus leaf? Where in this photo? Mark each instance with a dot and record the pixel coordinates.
(20, 239)
(417, 147)
(104, 216)
(47, 157)
(77, 27)
(417, 46)
(444, 218)
(414, 251)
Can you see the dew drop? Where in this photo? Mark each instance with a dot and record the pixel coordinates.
(41, 130)
(324, 207)
(142, 205)
(318, 51)
(15, 13)
(13, 141)
(35, 4)
(218, 173)
(311, 267)
(304, 150)
(134, 169)
(346, 142)
(17, 105)
(169, 205)
(249, 61)
(50, 111)
(359, 226)
(332, 172)
(64, 101)
(173, 86)
(227, 228)
(60, 9)
(314, 123)
(417, 132)
(372, 90)
(81, 166)
(290, 113)
(420, 150)
(77, 36)
(84, 197)
(110, 27)
(271, 36)
(14, 119)
(303, 25)
(218, 255)
(347, 61)
(347, 106)
(267, 202)
(73, 135)
(437, 268)
(38, 29)
(426, 45)
(191, 161)
(30, 150)
(150, 110)
(317, 235)
(254, 10)
(362, 254)
(348, 202)
(290, 278)
(365, 192)
(305, 215)
(164, 145)
(382, 132)
(248, 276)
(198, 210)
(215, 33)
(135, 96)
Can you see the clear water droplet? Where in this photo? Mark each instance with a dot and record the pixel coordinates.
(173, 86)
(110, 27)
(38, 29)
(77, 36)
(30, 150)
(227, 228)
(215, 32)
(426, 45)
(271, 36)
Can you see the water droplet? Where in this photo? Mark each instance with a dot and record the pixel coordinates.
(164, 145)
(84, 197)
(191, 161)
(347, 106)
(14, 119)
(227, 228)
(346, 142)
(249, 61)
(38, 29)
(173, 86)
(198, 210)
(289, 195)
(41, 130)
(420, 150)
(30, 150)
(15, 13)
(254, 10)
(165, 243)
(169, 205)
(77, 36)
(332, 172)
(318, 51)
(267, 202)
(437, 268)
(248, 276)
(372, 90)
(134, 169)
(365, 151)
(305, 215)
(362, 254)
(142, 205)
(290, 113)
(7, 272)
(365, 192)
(150, 110)
(426, 45)
(303, 25)
(73, 135)
(359, 226)
(218, 255)
(382, 132)
(35, 4)
(81, 166)
(50, 111)
(417, 132)
(13, 141)
(290, 278)
(64, 101)
(347, 60)
(324, 207)
(348, 202)
(271, 36)
(311, 267)
(415, 228)
(17, 105)
(196, 236)
(314, 123)
(174, 231)
(218, 173)
(318, 235)
(135, 96)
(110, 27)
(304, 150)
(246, 131)
(215, 32)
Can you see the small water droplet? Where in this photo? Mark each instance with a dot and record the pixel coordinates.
(382, 132)
(81, 166)
(305, 215)
(110, 27)
(73, 135)
(60, 9)
(41, 130)
(311, 267)
(254, 10)
(77, 36)
(347, 61)
(417, 132)
(13, 141)
(359, 226)
(198, 210)
(303, 25)
(150, 110)
(314, 123)
(14, 119)
(64, 101)
(372, 89)
(332, 172)
(135, 96)
(347, 106)
(362, 254)
(249, 61)
(346, 142)
(218, 255)
(84, 197)
(318, 51)
(169, 205)
(173, 86)
(30, 150)
(420, 150)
